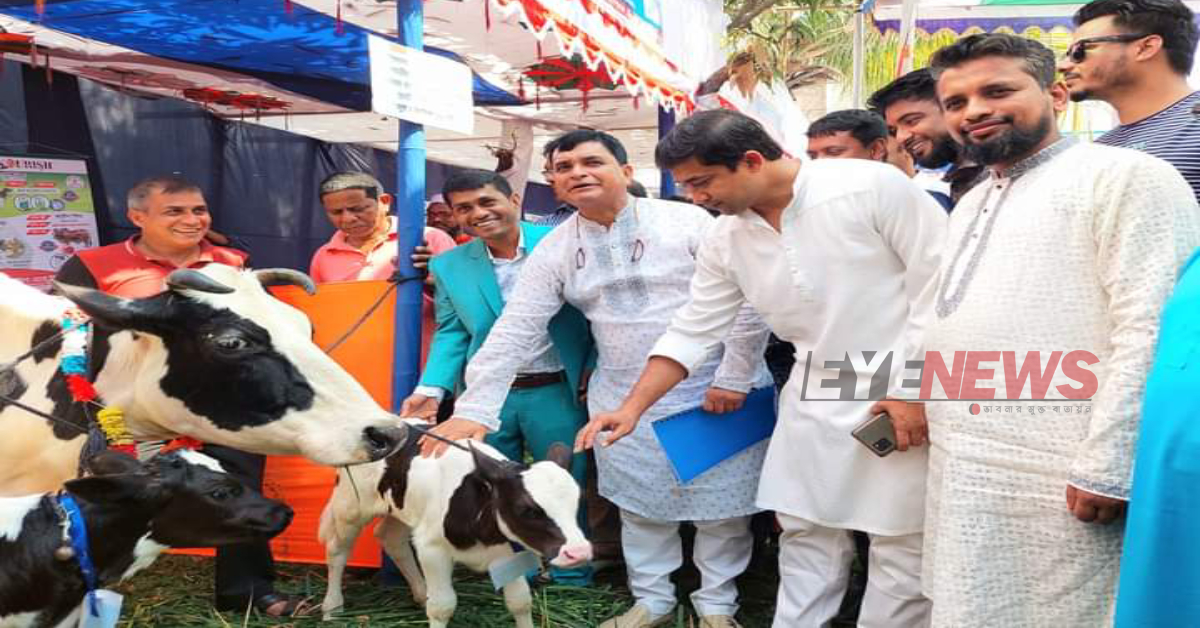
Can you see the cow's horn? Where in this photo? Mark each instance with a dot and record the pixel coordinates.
(188, 279)
(286, 277)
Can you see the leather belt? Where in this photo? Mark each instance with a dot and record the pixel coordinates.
(537, 380)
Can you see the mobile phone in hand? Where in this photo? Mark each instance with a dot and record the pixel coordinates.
(877, 434)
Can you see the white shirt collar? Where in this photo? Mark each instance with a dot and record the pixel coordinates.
(520, 249)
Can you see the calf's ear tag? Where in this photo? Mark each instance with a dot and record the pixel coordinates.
(108, 609)
(506, 570)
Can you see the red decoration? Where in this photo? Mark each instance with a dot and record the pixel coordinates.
(208, 96)
(615, 19)
(183, 442)
(128, 449)
(487, 14)
(15, 43)
(40, 7)
(562, 73)
(339, 28)
(287, 6)
(81, 389)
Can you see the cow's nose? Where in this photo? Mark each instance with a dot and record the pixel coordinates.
(382, 441)
(574, 554)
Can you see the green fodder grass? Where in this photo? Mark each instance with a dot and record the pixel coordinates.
(176, 592)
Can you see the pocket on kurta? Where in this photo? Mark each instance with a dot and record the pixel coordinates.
(1180, 348)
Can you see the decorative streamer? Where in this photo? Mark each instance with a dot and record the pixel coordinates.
(340, 28)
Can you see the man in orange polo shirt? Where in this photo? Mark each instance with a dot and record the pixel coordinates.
(364, 246)
(174, 222)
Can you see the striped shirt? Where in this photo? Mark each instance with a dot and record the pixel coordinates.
(1172, 134)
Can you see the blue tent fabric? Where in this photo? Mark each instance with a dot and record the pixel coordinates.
(300, 51)
(12, 108)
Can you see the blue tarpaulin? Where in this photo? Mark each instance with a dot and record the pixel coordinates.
(299, 50)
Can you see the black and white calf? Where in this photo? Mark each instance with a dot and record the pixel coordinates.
(215, 357)
(466, 508)
(132, 513)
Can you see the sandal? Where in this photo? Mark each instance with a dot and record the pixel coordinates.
(283, 605)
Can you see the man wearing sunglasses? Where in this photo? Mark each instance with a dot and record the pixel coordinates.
(1136, 55)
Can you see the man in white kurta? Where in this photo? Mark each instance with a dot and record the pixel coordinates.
(625, 263)
(838, 256)
(1066, 247)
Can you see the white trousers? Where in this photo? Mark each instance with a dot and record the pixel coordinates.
(654, 550)
(814, 569)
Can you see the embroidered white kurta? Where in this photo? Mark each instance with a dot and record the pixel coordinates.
(851, 271)
(1071, 250)
(627, 279)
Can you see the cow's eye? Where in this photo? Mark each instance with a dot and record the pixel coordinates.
(230, 343)
(223, 493)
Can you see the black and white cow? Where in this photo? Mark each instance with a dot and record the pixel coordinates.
(215, 357)
(133, 512)
(466, 508)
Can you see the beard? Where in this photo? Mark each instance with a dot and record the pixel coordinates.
(945, 151)
(1009, 146)
(1081, 95)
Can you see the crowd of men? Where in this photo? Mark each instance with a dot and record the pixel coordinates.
(624, 310)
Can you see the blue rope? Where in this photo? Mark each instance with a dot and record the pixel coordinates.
(77, 533)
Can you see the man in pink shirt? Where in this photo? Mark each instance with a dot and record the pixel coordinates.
(364, 246)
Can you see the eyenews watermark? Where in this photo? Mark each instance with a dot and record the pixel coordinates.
(971, 376)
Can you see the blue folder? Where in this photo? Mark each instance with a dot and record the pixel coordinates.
(696, 441)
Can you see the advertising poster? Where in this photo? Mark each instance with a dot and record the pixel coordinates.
(46, 215)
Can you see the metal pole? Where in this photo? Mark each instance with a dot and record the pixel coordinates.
(666, 122)
(409, 207)
(859, 26)
(410, 218)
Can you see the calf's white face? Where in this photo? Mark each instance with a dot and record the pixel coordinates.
(535, 506)
(219, 359)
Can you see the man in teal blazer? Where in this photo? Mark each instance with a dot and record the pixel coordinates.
(543, 405)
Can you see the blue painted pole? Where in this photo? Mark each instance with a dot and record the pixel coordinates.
(666, 122)
(409, 206)
(410, 216)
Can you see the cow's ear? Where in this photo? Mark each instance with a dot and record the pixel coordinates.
(491, 469)
(114, 489)
(560, 455)
(116, 312)
(110, 462)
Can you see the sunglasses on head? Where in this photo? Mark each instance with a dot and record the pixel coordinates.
(1078, 50)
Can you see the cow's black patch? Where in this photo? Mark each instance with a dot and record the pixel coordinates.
(395, 474)
(471, 518)
(222, 366)
(527, 520)
(44, 332)
(11, 386)
(72, 418)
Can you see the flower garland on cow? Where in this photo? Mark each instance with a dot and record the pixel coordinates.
(111, 431)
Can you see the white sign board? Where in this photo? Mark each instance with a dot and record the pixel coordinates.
(46, 216)
(420, 87)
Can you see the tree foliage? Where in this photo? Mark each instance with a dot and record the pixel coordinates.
(796, 41)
